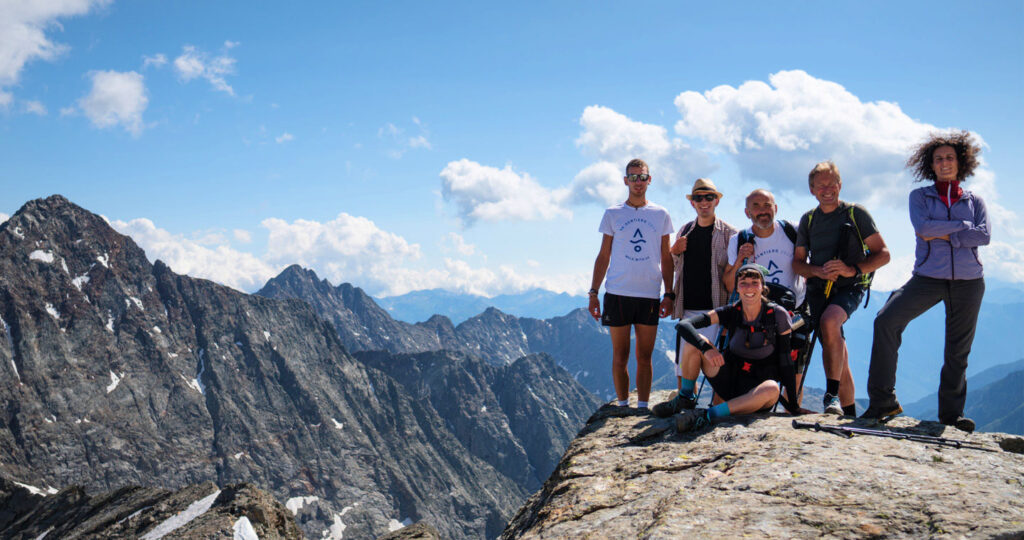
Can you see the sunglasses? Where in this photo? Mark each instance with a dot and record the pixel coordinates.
(698, 198)
(638, 177)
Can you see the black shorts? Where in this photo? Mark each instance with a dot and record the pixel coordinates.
(627, 310)
(847, 297)
(738, 376)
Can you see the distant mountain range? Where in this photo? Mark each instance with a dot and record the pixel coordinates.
(116, 372)
(420, 305)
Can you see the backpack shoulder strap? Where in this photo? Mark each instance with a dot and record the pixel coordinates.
(768, 321)
(687, 228)
(790, 230)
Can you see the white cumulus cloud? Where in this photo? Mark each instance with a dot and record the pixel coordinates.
(4, 217)
(284, 137)
(193, 63)
(456, 242)
(34, 107)
(236, 269)
(777, 131)
(23, 27)
(116, 98)
(157, 60)
(486, 193)
(614, 139)
(347, 248)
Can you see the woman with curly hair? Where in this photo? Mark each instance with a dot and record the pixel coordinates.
(950, 223)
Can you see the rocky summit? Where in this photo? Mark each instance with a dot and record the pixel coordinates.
(632, 476)
(117, 372)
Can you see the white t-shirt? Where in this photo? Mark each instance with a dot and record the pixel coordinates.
(635, 265)
(776, 254)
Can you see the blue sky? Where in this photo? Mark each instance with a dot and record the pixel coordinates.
(409, 145)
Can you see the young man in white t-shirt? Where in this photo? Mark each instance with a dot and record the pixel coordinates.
(768, 244)
(635, 258)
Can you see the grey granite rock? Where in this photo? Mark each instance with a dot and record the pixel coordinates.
(630, 475)
(195, 511)
(416, 531)
(518, 417)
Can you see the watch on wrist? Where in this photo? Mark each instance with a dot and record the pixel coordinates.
(592, 292)
(858, 270)
(671, 296)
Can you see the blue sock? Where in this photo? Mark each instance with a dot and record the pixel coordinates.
(687, 387)
(718, 411)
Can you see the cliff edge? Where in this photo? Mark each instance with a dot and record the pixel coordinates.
(633, 476)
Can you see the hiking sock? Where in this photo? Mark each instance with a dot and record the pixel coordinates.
(623, 403)
(641, 404)
(718, 411)
(850, 410)
(686, 387)
(832, 386)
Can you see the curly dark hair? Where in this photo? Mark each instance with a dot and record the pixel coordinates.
(967, 150)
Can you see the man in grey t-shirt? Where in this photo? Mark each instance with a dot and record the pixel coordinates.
(835, 275)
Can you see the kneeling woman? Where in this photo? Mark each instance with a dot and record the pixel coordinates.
(757, 355)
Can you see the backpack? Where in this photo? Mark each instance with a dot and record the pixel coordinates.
(851, 251)
(766, 321)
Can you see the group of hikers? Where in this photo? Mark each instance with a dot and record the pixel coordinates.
(739, 293)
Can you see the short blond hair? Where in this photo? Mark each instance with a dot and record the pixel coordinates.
(824, 167)
(637, 162)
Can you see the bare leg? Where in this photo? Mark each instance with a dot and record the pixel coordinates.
(620, 360)
(832, 343)
(691, 362)
(645, 336)
(761, 397)
(846, 387)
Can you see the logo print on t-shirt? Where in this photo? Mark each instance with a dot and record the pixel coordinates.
(772, 273)
(637, 247)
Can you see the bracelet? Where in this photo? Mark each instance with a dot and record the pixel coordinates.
(592, 292)
(858, 270)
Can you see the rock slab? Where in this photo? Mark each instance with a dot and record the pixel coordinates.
(630, 475)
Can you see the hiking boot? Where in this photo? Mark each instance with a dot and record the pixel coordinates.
(831, 404)
(691, 420)
(875, 412)
(674, 405)
(961, 423)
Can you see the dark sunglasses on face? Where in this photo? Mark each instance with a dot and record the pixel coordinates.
(709, 197)
(638, 177)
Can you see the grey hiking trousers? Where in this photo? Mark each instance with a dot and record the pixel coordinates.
(962, 299)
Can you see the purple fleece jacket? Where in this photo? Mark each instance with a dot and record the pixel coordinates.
(966, 223)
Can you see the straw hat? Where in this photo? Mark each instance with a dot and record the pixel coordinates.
(703, 185)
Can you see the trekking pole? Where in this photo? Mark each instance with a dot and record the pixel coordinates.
(848, 432)
(814, 339)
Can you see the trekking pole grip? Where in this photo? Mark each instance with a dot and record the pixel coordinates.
(806, 425)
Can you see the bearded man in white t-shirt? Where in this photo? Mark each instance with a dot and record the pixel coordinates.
(635, 258)
(767, 243)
